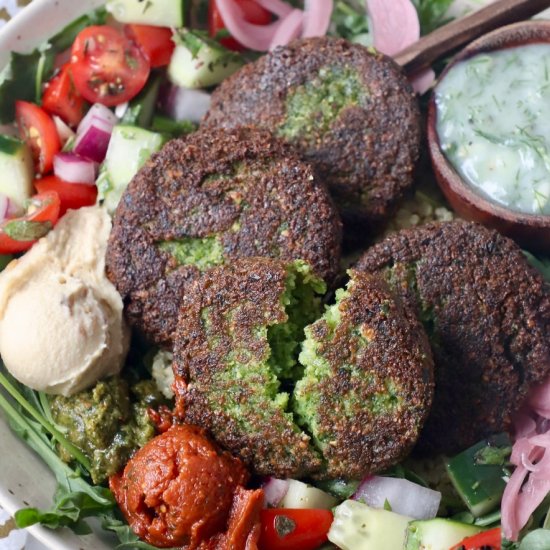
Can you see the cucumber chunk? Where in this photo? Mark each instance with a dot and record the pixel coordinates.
(478, 474)
(301, 495)
(159, 13)
(129, 149)
(16, 170)
(357, 526)
(437, 534)
(200, 62)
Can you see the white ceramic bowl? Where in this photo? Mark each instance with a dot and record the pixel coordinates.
(24, 479)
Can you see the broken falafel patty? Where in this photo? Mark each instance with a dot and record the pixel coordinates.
(208, 198)
(368, 381)
(238, 333)
(487, 314)
(347, 109)
(364, 386)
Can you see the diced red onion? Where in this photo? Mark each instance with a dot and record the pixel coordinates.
(75, 169)
(423, 81)
(120, 110)
(395, 24)
(274, 490)
(186, 104)
(8, 208)
(317, 17)
(64, 131)
(290, 28)
(94, 133)
(404, 496)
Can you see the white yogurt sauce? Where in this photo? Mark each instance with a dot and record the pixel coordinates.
(493, 122)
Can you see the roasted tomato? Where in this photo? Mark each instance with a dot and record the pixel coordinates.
(108, 67)
(19, 234)
(38, 130)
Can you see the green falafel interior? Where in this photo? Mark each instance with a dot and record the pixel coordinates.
(301, 300)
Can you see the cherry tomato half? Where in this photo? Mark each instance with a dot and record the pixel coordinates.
(289, 529)
(482, 541)
(155, 42)
(253, 13)
(71, 195)
(19, 234)
(61, 98)
(38, 130)
(107, 67)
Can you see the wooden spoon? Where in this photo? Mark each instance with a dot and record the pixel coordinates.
(444, 40)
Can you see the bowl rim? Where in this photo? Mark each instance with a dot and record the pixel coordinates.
(462, 196)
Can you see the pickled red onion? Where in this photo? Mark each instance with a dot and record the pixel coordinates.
(530, 482)
(290, 28)
(317, 17)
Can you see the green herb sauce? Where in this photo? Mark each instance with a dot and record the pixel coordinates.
(492, 113)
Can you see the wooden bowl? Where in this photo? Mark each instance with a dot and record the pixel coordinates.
(530, 231)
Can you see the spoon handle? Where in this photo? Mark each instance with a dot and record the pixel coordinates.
(444, 40)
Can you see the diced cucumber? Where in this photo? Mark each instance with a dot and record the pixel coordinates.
(142, 107)
(129, 149)
(16, 170)
(159, 13)
(478, 474)
(200, 62)
(437, 534)
(356, 526)
(301, 495)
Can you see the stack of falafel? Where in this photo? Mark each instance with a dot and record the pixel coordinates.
(225, 244)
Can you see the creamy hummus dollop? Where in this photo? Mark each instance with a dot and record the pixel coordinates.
(61, 320)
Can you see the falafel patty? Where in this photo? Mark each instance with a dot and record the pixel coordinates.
(347, 109)
(368, 381)
(238, 332)
(211, 197)
(487, 314)
(364, 387)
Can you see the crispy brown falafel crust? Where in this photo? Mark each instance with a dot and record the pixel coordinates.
(378, 389)
(242, 186)
(487, 313)
(367, 155)
(220, 324)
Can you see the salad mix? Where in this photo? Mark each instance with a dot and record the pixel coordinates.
(81, 115)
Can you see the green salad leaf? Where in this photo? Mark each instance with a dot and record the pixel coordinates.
(540, 263)
(432, 14)
(349, 21)
(128, 539)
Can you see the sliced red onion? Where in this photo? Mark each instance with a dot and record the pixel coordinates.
(75, 169)
(404, 496)
(186, 104)
(423, 81)
(317, 17)
(64, 131)
(274, 490)
(395, 24)
(4, 206)
(94, 133)
(277, 7)
(290, 28)
(254, 37)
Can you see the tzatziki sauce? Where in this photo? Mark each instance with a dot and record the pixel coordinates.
(493, 124)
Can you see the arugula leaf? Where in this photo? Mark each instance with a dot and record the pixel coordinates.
(540, 263)
(432, 14)
(350, 21)
(128, 539)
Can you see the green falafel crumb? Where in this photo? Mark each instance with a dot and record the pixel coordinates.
(312, 107)
(302, 306)
(203, 253)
